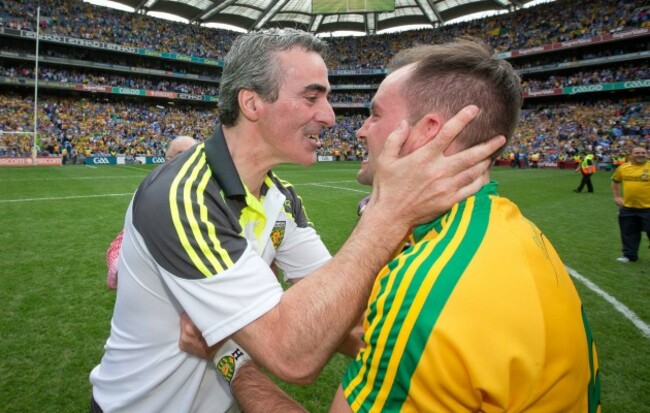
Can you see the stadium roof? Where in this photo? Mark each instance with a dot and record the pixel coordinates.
(256, 14)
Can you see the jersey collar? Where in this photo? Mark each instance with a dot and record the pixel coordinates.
(222, 167)
(421, 231)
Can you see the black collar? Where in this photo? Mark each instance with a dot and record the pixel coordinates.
(221, 164)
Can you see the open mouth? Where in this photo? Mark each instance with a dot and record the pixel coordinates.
(315, 138)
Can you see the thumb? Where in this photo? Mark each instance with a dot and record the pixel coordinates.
(396, 140)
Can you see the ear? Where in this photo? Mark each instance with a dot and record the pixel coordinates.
(422, 132)
(249, 104)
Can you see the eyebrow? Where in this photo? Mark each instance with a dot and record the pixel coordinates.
(373, 106)
(316, 87)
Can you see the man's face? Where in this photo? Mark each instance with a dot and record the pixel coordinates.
(387, 109)
(293, 123)
(639, 156)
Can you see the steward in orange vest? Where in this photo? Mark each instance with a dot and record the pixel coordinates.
(587, 167)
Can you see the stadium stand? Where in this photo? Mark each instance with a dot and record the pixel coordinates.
(112, 82)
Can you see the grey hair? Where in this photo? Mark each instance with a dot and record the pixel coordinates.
(252, 64)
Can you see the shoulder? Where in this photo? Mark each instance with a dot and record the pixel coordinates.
(293, 204)
(185, 221)
(285, 187)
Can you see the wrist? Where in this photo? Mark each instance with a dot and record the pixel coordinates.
(229, 359)
(394, 227)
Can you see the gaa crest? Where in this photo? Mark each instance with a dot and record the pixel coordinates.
(226, 367)
(277, 234)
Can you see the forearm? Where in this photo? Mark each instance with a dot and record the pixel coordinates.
(256, 392)
(314, 317)
(616, 190)
(339, 403)
(295, 339)
(353, 343)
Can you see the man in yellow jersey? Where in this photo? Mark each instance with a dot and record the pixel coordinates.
(634, 202)
(445, 331)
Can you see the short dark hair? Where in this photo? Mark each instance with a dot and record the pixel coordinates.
(450, 76)
(252, 64)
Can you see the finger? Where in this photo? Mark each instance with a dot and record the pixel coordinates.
(396, 140)
(473, 155)
(187, 326)
(185, 319)
(470, 180)
(453, 127)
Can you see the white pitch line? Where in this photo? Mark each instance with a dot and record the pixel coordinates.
(618, 306)
(330, 182)
(75, 178)
(5, 201)
(137, 169)
(338, 187)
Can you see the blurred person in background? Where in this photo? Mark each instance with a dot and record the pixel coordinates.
(631, 190)
(587, 167)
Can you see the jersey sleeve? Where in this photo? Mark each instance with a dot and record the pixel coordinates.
(618, 174)
(186, 223)
(301, 252)
(221, 305)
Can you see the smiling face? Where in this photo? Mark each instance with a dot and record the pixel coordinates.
(292, 124)
(387, 109)
(639, 156)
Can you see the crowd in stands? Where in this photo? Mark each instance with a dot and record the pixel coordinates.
(132, 62)
(70, 126)
(103, 126)
(555, 22)
(340, 140)
(581, 55)
(96, 78)
(625, 72)
(351, 96)
(74, 18)
(559, 21)
(100, 127)
(560, 132)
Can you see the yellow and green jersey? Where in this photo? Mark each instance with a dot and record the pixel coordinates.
(478, 315)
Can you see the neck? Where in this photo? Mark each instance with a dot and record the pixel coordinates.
(485, 178)
(248, 153)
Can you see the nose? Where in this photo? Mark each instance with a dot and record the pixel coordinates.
(361, 133)
(326, 115)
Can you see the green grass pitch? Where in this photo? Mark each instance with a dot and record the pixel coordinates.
(58, 221)
(350, 6)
